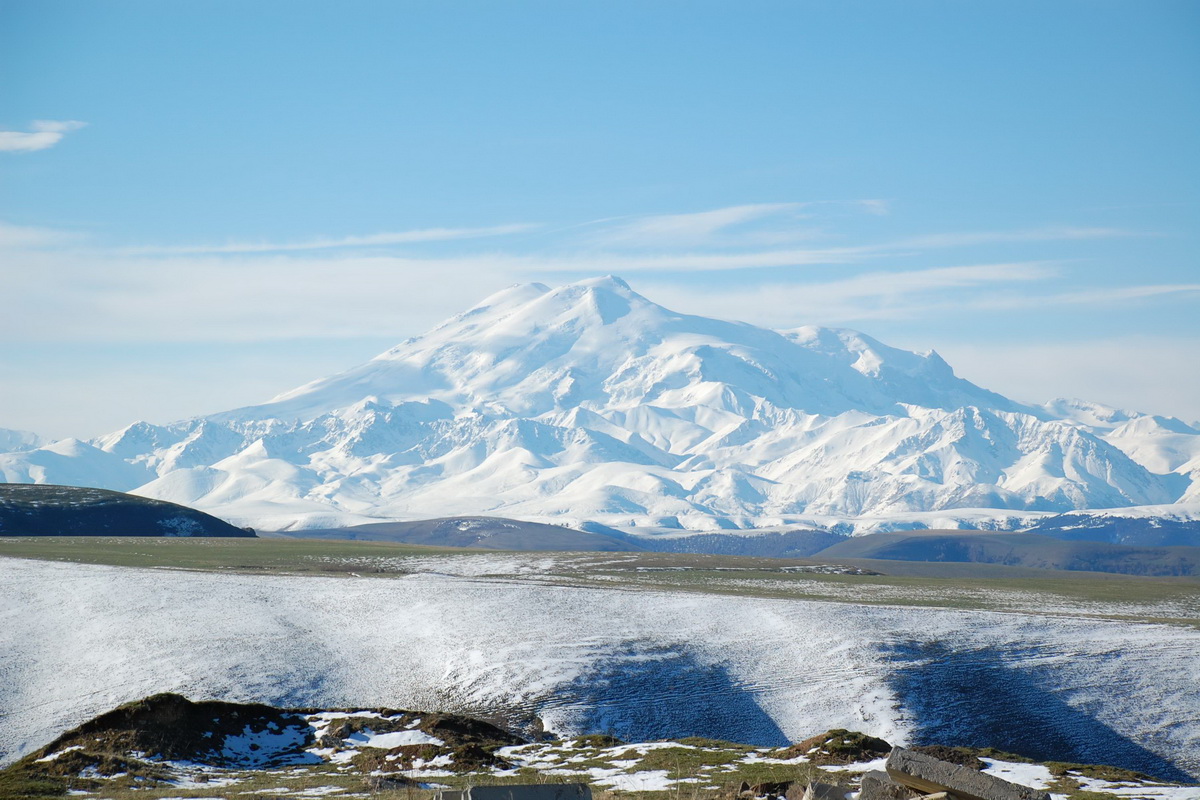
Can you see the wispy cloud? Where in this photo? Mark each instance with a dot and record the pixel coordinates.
(315, 287)
(1101, 296)
(975, 238)
(880, 208)
(773, 234)
(372, 240)
(42, 134)
(19, 237)
(689, 229)
(695, 261)
(895, 294)
(907, 295)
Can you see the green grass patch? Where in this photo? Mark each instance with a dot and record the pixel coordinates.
(281, 556)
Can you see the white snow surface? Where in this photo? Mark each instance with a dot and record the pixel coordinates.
(75, 640)
(590, 402)
(1138, 791)
(1033, 775)
(654, 780)
(386, 741)
(252, 748)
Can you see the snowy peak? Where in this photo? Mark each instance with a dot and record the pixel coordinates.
(1094, 416)
(526, 346)
(912, 378)
(524, 308)
(598, 344)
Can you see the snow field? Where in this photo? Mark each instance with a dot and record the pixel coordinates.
(75, 640)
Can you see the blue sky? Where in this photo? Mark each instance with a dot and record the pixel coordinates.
(205, 203)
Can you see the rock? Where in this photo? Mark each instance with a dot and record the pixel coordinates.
(765, 789)
(840, 746)
(879, 786)
(929, 775)
(824, 791)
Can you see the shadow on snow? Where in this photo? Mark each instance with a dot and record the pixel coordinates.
(974, 698)
(663, 694)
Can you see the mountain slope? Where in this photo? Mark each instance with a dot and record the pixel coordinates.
(47, 510)
(590, 402)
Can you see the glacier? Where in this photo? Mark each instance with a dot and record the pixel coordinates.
(590, 402)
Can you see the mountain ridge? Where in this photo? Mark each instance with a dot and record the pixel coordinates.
(589, 402)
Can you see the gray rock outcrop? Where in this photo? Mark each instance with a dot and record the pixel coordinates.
(929, 775)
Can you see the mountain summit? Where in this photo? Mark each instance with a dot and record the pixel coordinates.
(591, 402)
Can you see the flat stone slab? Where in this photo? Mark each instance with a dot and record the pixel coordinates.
(930, 775)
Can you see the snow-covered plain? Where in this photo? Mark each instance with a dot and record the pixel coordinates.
(590, 402)
(77, 639)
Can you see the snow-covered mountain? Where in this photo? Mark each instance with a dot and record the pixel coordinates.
(12, 441)
(1161, 444)
(590, 402)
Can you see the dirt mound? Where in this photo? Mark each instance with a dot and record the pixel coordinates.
(174, 727)
(470, 743)
(840, 746)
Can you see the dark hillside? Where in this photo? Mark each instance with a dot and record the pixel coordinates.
(1133, 531)
(799, 543)
(45, 510)
(1019, 550)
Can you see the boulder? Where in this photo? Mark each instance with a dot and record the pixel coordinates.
(825, 791)
(930, 775)
(879, 786)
